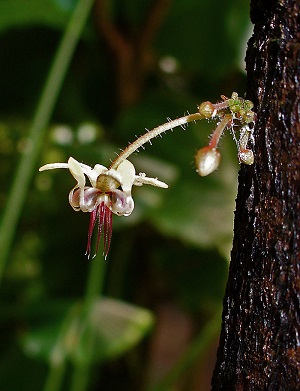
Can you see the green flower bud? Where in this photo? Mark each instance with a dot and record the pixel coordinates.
(206, 109)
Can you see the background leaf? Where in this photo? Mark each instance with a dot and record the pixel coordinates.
(113, 327)
(19, 13)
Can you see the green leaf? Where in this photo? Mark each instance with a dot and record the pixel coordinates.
(113, 327)
(19, 13)
(201, 44)
(199, 211)
(51, 321)
(109, 329)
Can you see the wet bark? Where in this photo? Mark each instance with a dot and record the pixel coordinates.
(260, 338)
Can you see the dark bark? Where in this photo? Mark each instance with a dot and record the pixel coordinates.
(260, 338)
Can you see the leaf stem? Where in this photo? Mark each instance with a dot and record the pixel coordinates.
(38, 127)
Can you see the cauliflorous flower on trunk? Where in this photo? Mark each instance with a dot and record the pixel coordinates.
(109, 192)
(110, 188)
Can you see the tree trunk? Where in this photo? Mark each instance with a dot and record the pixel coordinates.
(260, 338)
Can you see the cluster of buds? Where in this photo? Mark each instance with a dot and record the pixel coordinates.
(109, 189)
(232, 113)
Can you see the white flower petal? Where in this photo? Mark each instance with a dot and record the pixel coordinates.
(127, 171)
(77, 171)
(141, 179)
(99, 169)
(90, 173)
(53, 166)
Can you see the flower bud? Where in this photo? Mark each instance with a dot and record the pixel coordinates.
(207, 160)
(246, 156)
(248, 117)
(206, 109)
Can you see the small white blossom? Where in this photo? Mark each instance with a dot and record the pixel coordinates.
(207, 160)
(110, 192)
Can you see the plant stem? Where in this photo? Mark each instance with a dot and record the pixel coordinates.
(80, 378)
(95, 282)
(58, 355)
(96, 278)
(38, 127)
(193, 353)
(153, 133)
(219, 130)
(55, 376)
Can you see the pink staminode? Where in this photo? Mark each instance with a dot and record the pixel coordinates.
(104, 216)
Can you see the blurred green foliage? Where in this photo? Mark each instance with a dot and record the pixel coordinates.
(135, 65)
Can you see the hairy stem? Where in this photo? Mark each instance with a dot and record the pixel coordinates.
(153, 133)
(219, 130)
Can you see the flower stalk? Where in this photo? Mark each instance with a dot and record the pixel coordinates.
(216, 135)
(145, 138)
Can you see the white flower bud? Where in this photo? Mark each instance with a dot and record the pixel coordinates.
(207, 160)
